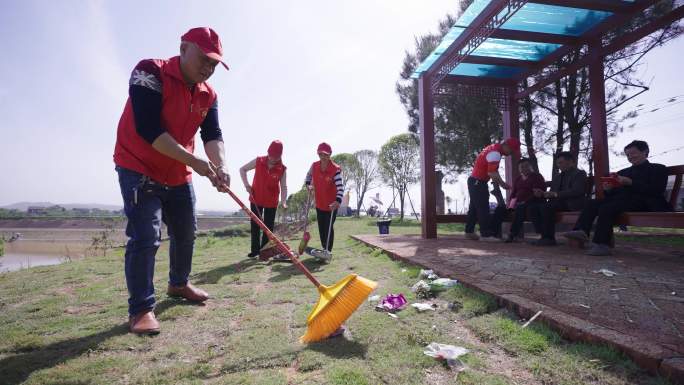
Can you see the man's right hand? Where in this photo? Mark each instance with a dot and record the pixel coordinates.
(248, 188)
(537, 192)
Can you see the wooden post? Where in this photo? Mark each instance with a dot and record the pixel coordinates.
(428, 202)
(597, 103)
(511, 129)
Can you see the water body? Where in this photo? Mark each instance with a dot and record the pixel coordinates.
(27, 253)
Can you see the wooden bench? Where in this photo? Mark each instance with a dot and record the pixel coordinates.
(642, 219)
(645, 219)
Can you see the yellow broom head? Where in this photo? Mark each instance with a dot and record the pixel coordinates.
(335, 305)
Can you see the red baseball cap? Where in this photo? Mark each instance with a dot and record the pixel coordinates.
(324, 148)
(207, 40)
(514, 144)
(275, 149)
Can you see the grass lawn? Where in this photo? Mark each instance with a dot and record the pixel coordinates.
(66, 325)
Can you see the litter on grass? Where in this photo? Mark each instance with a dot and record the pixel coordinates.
(531, 319)
(427, 274)
(392, 303)
(374, 298)
(447, 353)
(441, 284)
(422, 289)
(421, 307)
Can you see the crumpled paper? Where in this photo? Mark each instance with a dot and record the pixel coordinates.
(606, 272)
(421, 307)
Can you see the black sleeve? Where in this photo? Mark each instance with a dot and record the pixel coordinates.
(654, 185)
(210, 129)
(146, 111)
(578, 188)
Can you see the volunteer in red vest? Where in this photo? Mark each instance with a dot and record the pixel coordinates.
(324, 179)
(268, 184)
(168, 101)
(486, 167)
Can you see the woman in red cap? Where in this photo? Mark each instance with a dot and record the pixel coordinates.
(325, 178)
(269, 180)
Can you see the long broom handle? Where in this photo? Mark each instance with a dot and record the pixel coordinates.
(327, 241)
(272, 237)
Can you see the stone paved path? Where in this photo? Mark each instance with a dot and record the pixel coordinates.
(640, 310)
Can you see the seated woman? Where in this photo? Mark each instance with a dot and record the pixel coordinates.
(522, 196)
(640, 187)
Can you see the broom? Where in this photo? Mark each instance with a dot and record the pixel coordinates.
(306, 237)
(335, 304)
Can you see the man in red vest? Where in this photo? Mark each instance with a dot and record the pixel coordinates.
(269, 181)
(486, 167)
(168, 101)
(325, 179)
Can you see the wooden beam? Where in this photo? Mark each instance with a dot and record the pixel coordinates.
(511, 129)
(597, 31)
(614, 6)
(614, 46)
(428, 183)
(599, 127)
(539, 37)
(475, 59)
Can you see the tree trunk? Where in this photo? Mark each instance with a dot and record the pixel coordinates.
(402, 192)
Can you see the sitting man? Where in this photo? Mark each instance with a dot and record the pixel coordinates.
(568, 193)
(522, 196)
(640, 187)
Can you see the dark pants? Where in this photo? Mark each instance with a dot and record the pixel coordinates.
(496, 220)
(543, 214)
(267, 215)
(146, 205)
(478, 210)
(323, 219)
(520, 215)
(607, 211)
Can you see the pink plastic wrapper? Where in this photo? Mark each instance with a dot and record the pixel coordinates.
(392, 303)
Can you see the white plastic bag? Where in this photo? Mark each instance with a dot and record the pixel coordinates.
(449, 353)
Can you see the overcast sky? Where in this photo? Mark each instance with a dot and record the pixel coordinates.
(301, 71)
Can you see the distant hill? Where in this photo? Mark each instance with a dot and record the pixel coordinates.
(23, 206)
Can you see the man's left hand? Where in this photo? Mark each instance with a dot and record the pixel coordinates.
(335, 205)
(223, 178)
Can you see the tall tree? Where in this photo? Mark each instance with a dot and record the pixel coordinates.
(399, 164)
(349, 165)
(365, 176)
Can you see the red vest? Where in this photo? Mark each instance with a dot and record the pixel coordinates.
(266, 183)
(324, 184)
(487, 161)
(182, 112)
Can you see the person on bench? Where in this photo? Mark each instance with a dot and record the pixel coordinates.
(522, 196)
(567, 193)
(640, 187)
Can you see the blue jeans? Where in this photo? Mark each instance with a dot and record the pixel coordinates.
(146, 205)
